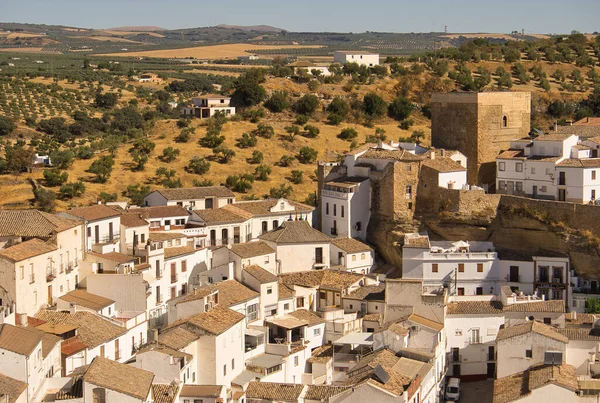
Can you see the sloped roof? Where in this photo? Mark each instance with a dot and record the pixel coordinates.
(580, 163)
(512, 154)
(87, 299)
(231, 292)
(474, 308)
(397, 155)
(196, 193)
(225, 214)
(323, 354)
(259, 208)
(351, 245)
(364, 372)
(164, 393)
(33, 223)
(163, 349)
(426, 322)
(160, 212)
(215, 321)
(334, 279)
(178, 251)
(514, 387)
(580, 333)
(285, 292)
(92, 329)
(574, 319)
(309, 317)
(165, 236)
(201, 391)
(177, 337)
(555, 306)
(115, 257)
(528, 327)
(323, 392)
(20, 340)
(368, 293)
(122, 378)
(262, 275)
(444, 164)
(95, 212)
(27, 249)
(251, 249)
(274, 391)
(295, 232)
(11, 388)
(130, 220)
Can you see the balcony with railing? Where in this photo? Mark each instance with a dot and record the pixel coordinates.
(50, 274)
(473, 339)
(70, 267)
(548, 279)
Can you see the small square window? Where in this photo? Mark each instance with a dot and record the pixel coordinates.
(519, 167)
(529, 353)
(286, 307)
(434, 267)
(502, 166)
(269, 290)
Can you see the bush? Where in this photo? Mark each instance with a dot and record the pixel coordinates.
(378, 136)
(106, 101)
(136, 193)
(54, 177)
(400, 108)
(286, 160)
(265, 131)
(348, 134)
(296, 177)
(166, 177)
(240, 183)
(62, 159)
(262, 172)
(247, 88)
(102, 168)
(203, 182)
(254, 115)
(278, 102)
(373, 105)
(184, 134)
(334, 119)
(211, 140)
(183, 122)
(307, 105)
(72, 189)
(45, 200)
(292, 132)
(170, 154)
(107, 197)
(307, 155)
(223, 154)
(7, 126)
(281, 192)
(406, 124)
(198, 165)
(84, 153)
(301, 120)
(257, 157)
(247, 141)
(338, 110)
(311, 131)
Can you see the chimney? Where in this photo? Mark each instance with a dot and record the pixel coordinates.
(155, 336)
(23, 321)
(555, 126)
(574, 315)
(432, 155)
(442, 152)
(72, 308)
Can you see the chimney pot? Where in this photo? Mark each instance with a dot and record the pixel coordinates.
(432, 155)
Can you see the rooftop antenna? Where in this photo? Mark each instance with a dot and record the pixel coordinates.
(445, 29)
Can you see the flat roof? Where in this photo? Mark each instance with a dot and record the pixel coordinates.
(361, 338)
(287, 321)
(265, 360)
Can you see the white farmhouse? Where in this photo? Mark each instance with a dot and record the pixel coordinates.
(206, 106)
(362, 58)
(198, 198)
(299, 246)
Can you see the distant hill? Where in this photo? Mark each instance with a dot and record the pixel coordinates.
(141, 28)
(260, 28)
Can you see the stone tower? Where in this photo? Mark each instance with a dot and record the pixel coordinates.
(479, 125)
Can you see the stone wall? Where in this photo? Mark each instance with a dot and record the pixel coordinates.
(467, 203)
(389, 193)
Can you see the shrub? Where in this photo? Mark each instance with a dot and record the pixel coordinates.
(240, 183)
(184, 134)
(72, 189)
(348, 134)
(301, 120)
(45, 199)
(183, 122)
(84, 153)
(257, 157)
(307, 105)
(198, 165)
(203, 182)
(281, 192)
(307, 155)
(247, 141)
(286, 160)
(223, 154)
(311, 131)
(107, 197)
(313, 85)
(378, 136)
(7, 126)
(296, 177)
(400, 108)
(54, 177)
(136, 193)
(334, 119)
(265, 131)
(102, 168)
(62, 159)
(262, 172)
(170, 154)
(373, 105)
(254, 115)
(211, 140)
(278, 102)
(292, 132)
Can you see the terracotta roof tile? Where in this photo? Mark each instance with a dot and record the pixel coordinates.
(19, 340)
(289, 392)
(364, 372)
(11, 388)
(231, 292)
(164, 393)
(432, 324)
(262, 275)
(512, 154)
(334, 279)
(322, 354)
(397, 155)
(215, 321)
(196, 193)
(514, 387)
(474, 308)
(160, 212)
(130, 220)
(92, 329)
(33, 223)
(368, 293)
(555, 306)
(373, 317)
(95, 212)
(119, 377)
(177, 337)
(350, 245)
(528, 327)
(165, 236)
(416, 241)
(285, 292)
(179, 251)
(444, 164)
(580, 163)
(259, 208)
(251, 249)
(580, 319)
(322, 393)
(309, 317)
(27, 249)
(87, 299)
(115, 257)
(580, 333)
(213, 391)
(226, 214)
(295, 232)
